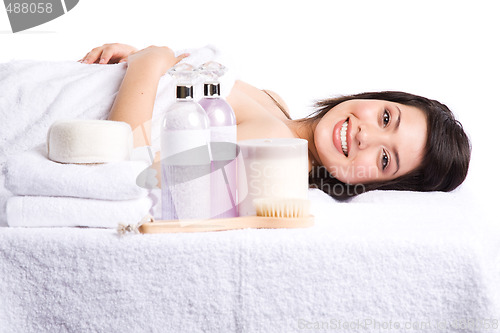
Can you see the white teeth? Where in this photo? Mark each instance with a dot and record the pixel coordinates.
(343, 136)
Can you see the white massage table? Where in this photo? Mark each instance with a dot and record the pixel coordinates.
(384, 259)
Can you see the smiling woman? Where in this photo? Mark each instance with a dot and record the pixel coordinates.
(367, 144)
(388, 141)
(382, 140)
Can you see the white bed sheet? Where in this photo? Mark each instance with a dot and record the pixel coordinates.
(393, 257)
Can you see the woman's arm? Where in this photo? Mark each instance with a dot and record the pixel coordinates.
(134, 102)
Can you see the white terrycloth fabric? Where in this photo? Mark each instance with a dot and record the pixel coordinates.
(89, 141)
(31, 173)
(29, 211)
(363, 263)
(35, 94)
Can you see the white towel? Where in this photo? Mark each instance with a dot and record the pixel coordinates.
(28, 211)
(360, 262)
(31, 173)
(35, 94)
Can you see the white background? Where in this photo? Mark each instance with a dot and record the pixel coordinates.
(308, 50)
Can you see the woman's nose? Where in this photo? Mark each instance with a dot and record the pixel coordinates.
(362, 137)
(367, 136)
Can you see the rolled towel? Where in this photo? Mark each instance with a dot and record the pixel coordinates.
(28, 211)
(31, 173)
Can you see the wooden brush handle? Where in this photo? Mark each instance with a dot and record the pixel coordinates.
(162, 226)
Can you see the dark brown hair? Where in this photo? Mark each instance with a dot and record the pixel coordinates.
(446, 153)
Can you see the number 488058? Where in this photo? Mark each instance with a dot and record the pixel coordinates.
(31, 8)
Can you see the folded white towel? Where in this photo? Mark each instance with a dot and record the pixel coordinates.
(28, 211)
(31, 173)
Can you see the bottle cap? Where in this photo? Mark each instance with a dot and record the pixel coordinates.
(211, 71)
(185, 75)
(211, 89)
(184, 92)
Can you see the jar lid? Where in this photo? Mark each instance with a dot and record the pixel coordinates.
(274, 148)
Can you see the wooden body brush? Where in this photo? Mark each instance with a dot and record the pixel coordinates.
(271, 214)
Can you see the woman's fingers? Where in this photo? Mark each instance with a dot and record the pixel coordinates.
(81, 60)
(106, 55)
(92, 56)
(109, 54)
(119, 53)
(84, 57)
(180, 57)
(125, 58)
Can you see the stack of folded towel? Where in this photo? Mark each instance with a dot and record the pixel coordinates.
(51, 194)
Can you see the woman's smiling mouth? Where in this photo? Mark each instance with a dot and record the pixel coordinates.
(340, 137)
(343, 137)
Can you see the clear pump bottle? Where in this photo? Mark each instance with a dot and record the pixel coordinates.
(185, 156)
(222, 141)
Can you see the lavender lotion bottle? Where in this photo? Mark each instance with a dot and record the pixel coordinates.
(185, 156)
(224, 203)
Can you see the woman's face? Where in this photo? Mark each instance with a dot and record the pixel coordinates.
(361, 141)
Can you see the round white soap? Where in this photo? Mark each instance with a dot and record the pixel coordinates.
(89, 141)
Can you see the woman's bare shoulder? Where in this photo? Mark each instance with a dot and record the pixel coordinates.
(257, 116)
(263, 128)
(246, 106)
(249, 102)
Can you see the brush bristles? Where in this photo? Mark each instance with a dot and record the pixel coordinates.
(281, 207)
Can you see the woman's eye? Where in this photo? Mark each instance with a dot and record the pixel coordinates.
(387, 118)
(385, 160)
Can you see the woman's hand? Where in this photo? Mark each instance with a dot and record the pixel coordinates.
(108, 54)
(159, 58)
